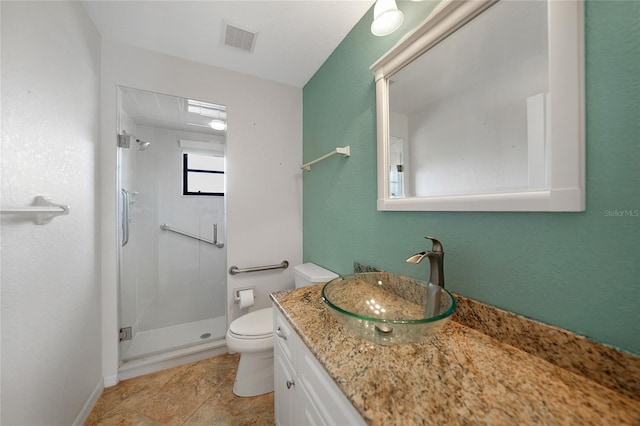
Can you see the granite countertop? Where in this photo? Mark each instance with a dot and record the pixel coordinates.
(466, 376)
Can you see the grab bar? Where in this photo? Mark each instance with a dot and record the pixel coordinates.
(43, 209)
(166, 227)
(215, 236)
(235, 270)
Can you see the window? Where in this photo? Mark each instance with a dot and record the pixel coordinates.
(202, 174)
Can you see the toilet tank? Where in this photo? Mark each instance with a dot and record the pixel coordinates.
(310, 274)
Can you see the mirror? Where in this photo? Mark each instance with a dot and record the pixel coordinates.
(481, 109)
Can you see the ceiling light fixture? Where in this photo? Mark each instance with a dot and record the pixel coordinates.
(386, 18)
(218, 125)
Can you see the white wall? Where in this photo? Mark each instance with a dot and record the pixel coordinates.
(50, 282)
(264, 180)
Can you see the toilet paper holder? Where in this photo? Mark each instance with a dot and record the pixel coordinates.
(236, 293)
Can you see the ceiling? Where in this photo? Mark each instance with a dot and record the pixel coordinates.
(172, 112)
(293, 39)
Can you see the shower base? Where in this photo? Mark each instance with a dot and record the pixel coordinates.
(155, 350)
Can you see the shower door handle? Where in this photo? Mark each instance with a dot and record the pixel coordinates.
(125, 217)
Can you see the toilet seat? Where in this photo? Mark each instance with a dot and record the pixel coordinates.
(254, 325)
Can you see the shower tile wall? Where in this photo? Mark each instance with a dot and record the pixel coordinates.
(191, 276)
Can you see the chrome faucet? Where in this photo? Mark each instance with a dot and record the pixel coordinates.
(436, 262)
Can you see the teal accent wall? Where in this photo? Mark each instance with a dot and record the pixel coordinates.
(579, 271)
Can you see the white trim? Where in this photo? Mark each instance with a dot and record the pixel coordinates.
(110, 381)
(202, 146)
(534, 201)
(88, 406)
(172, 359)
(566, 145)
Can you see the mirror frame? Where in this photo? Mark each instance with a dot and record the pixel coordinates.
(565, 147)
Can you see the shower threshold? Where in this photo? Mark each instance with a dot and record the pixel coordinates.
(175, 349)
(167, 339)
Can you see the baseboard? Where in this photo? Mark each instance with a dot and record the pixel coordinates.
(110, 381)
(88, 406)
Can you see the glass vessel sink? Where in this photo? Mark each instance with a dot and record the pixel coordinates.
(388, 308)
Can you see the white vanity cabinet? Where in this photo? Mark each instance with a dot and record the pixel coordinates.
(304, 392)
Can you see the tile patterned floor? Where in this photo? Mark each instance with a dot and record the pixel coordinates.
(194, 394)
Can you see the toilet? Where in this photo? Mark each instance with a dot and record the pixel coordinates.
(251, 335)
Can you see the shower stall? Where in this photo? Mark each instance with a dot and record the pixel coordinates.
(172, 256)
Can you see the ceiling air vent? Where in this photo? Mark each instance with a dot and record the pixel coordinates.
(241, 38)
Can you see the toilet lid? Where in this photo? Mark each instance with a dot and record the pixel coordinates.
(256, 323)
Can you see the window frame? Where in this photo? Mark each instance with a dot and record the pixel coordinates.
(185, 177)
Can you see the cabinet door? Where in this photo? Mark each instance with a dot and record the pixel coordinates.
(305, 395)
(309, 411)
(286, 394)
(324, 395)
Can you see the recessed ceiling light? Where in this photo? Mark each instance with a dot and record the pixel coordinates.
(218, 125)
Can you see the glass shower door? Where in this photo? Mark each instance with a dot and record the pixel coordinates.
(172, 272)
